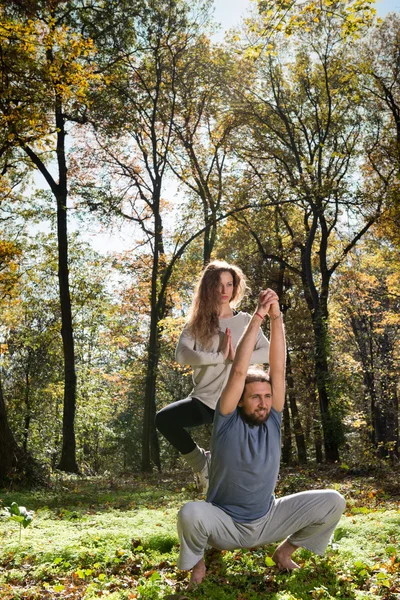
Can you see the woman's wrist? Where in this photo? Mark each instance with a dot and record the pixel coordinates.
(259, 315)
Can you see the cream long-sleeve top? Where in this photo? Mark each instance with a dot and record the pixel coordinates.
(210, 368)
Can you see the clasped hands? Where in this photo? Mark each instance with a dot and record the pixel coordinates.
(227, 346)
(268, 304)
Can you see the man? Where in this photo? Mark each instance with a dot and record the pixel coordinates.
(240, 510)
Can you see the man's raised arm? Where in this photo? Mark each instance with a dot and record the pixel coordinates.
(277, 357)
(234, 388)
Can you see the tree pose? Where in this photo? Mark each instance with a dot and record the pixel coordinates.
(241, 510)
(208, 344)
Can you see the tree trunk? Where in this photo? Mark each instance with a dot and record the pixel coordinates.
(150, 444)
(298, 430)
(386, 415)
(68, 453)
(27, 419)
(362, 328)
(381, 385)
(329, 424)
(210, 234)
(316, 429)
(287, 436)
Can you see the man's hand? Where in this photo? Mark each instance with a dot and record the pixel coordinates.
(268, 303)
(226, 344)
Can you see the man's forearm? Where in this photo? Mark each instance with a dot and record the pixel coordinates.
(246, 345)
(277, 352)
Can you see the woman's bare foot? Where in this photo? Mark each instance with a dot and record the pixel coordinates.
(282, 557)
(198, 573)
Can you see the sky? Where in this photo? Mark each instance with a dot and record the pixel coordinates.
(229, 12)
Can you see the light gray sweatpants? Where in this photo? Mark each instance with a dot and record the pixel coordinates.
(306, 519)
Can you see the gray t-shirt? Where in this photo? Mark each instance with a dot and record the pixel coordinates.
(245, 465)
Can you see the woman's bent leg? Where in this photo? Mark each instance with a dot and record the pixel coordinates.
(172, 420)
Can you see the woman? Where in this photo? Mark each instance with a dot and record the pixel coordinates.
(208, 343)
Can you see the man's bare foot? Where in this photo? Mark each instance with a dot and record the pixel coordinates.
(282, 557)
(198, 573)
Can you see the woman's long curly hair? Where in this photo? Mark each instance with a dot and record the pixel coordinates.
(204, 312)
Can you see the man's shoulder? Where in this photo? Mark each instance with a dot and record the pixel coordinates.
(275, 417)
(227, 420)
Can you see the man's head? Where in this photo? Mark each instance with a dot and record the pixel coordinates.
(256, 401)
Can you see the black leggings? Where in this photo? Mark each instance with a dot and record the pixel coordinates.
(172, 420)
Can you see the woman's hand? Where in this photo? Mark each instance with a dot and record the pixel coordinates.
(226, 343)
(231, 354)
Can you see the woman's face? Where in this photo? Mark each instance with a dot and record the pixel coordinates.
(225, 287)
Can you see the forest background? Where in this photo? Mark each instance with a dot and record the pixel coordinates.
(277, 149)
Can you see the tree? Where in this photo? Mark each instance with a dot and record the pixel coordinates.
(367, 299)
(139, 108)
(201, 131)
(306, 120)
(15, 462)
(40, 87)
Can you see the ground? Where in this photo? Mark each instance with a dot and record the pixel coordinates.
(116, 539)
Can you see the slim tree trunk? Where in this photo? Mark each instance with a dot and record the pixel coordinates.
(297, 427)
(68, 453)
(317, 303)
(329, 424)
(362, 328)
(387, 407)
(287, 436)
(150, 444)
(316, 425)
(27, 419)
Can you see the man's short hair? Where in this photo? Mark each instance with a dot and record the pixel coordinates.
(255, 374)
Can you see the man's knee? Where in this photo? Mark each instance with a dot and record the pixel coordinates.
(336, 501)
(191, 515)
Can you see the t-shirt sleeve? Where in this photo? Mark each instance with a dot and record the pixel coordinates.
(222, 422)
(187, 354)
(276, 417)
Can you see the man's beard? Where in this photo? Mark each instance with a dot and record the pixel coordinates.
(253, 419)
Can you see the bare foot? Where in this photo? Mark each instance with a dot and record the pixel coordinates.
(198, 573)
(282, 557)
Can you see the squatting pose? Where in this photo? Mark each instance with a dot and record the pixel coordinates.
(240, 510)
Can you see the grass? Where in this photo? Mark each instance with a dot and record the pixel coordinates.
(116, 539)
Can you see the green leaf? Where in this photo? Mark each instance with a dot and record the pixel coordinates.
(269, 562)
(14, 509)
